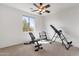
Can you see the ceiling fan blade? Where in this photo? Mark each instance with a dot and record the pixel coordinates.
(35, 5)
(47, 6)
(47, 11)
(41, 4)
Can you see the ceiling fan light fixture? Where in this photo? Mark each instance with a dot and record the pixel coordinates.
(41, 8)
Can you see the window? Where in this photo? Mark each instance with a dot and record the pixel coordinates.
(28, 24)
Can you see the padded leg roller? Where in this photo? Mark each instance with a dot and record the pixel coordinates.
(38, 45)
(69, 42)
(36, 49)
(41, 47)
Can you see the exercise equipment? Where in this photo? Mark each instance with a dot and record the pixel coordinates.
(58, 33)
(37, 46)
(43, 36)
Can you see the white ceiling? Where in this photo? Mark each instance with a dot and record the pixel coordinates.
(55, 7)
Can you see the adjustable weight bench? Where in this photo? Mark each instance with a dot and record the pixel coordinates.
(37, 46)
(58, 33)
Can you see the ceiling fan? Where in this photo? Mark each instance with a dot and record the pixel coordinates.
(41, 8)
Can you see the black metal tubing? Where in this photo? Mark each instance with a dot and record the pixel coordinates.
(60, 34)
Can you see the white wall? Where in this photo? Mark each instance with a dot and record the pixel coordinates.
(11, 26)
(67, 20)
(70, 20)
(51, 20)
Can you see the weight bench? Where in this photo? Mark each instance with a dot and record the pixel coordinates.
(62, 37)
(37, 46)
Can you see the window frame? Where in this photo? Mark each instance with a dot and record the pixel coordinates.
(29, 21)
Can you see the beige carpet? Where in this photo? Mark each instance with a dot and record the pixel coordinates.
(54, 49)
